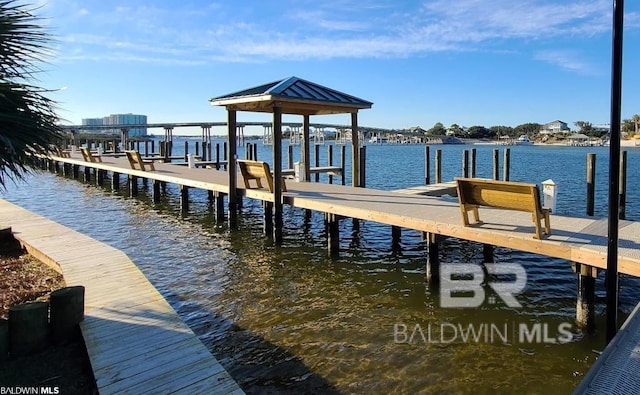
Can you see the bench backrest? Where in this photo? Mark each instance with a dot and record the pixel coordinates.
(88, 156)
(255, 170)
(500, 194)
(135, 158)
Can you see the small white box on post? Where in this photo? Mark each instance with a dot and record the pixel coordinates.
(549, 190)
(298, 171)
(191, 161)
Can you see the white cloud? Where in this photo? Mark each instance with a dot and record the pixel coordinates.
(566, 59)
(335, 29)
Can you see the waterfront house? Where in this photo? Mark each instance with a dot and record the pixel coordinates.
(554, 127)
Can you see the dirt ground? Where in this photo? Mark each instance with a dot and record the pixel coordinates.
(66, 367)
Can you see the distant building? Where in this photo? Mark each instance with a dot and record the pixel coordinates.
(554, 127)
(119, 119)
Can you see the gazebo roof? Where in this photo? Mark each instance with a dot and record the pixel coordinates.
(295, 96)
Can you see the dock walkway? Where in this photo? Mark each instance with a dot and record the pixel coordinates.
(136, 342)
(617, 369)
(576, 239)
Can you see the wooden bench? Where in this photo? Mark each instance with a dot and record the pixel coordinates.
(135, 159)
(61, 153)
(257, 170)
(88, 156)
(476, 192)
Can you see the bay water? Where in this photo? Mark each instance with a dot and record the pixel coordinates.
(288, 319)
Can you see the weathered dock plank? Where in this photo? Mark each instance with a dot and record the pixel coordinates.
(136, 342)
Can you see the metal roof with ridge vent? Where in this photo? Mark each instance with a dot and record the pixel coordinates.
(295, 96)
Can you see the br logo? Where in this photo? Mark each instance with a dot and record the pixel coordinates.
(461, 284)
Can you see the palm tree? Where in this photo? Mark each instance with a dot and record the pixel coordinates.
(28, 122)
(636, 122)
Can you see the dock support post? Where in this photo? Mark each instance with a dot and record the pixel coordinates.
(473, 162)
(306, 141)
(496, 164)
(268, 218)
(316, 160)
(290, 156)
(184, 198)
(217, 156)
(218, 197)
(623, 186)
(277, 175)
(396, 235)
(465, 163)
(591, 183)
(87, 174)
(433, 261)
(438, 166)
(156, 191)
(76, 170)
(487, 253)
(115, 181)
(230, 156)
(330, 160)
(133, 185)
(363, 166)
(506, 164)
(333, 234)
(343, 162)
(355, 152)
(99, 177)
(427, 166)
(585, 305)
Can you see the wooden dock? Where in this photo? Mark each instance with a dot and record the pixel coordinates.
(576, 239)
(136, 342)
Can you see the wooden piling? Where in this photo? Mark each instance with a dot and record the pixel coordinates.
(433, 261)
(333, 234)
(343, 161)
(363, 166)
(330, 160)
(438, 166)
(184, 198)
(591, 183)
(87, 174)
(317, 160)
(487, 253)
(427, 166)
(396, 235)
(133, 185)
(496, 164)
(507, 164)
(267, 222)
(473, 162)
(585, 304)
(278, 225)
(465, 163)
(218, 198)
(28, 328)
(622, 208)
(255, 151)
(156, 191)
(99, 177)
(217, 156)
(76, 171)
(66, 312)
(290, 156)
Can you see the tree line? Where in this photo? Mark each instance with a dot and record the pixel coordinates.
(630, 126)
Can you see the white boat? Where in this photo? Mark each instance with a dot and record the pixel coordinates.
(523, 140)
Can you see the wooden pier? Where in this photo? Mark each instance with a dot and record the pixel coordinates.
(135, 341)
(581, 240)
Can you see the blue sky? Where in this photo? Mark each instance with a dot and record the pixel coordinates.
(470, 62)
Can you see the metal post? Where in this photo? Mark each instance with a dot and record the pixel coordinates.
(614, 171)
(623, 186)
